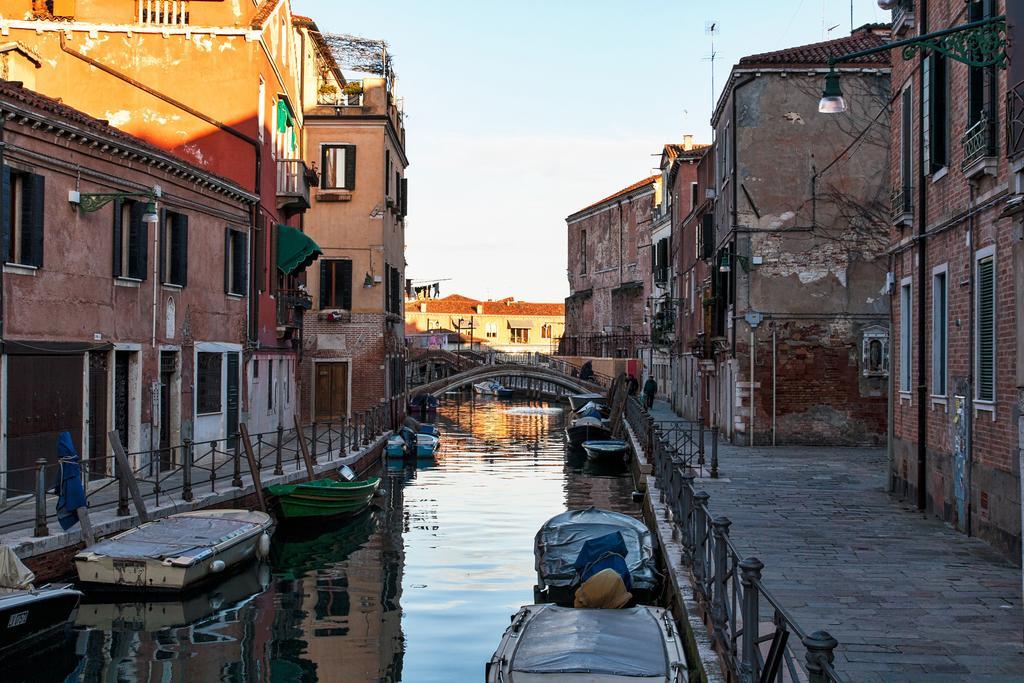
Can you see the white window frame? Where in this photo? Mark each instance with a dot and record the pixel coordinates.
(940, 272)
(980, 255)
(906, 334)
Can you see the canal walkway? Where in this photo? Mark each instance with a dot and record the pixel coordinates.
(907, 597)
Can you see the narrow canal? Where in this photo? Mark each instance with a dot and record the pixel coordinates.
(418, 589)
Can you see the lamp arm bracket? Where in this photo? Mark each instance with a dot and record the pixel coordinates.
(94, 201)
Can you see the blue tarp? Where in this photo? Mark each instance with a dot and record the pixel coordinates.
(69, 489)
(604, 552)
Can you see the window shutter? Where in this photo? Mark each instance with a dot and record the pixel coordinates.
(344, 283)
(259, 254)
(350, 167)
(325, 278)
(32, 218)
(387, 172)
(926, 113)
(137, 242)
(405, 197)
(118, 271)
(986, 329)
(240, 256)
(5, 213)
(166, 235)
(179, 256)
(227, 260)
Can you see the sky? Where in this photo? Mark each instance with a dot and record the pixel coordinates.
(519, 113)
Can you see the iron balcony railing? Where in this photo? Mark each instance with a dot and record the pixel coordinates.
(727, 584)
(290, 306)
(900, 203)
(163, 12)
(978, 142)
(293, 183)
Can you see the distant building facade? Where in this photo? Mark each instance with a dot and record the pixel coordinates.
(504, 325)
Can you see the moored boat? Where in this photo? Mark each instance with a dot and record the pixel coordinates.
(577, 401)
(426, 445)
(423, 403)
(561, 539)
(486, 388)
(431, 429)
(323, 497)
(30, 616)
(607, 449)
(550, 643)
(586, 429)
(176, 552)
(395, 447)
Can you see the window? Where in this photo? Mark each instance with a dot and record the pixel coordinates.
(22, 222)
(235, 262)
(985, 349)
(693, 196)
(545, 331)
(393, 290)
(403, 204)
(208, 382)
(491, 330)
(981, 81)
(939, 331)
(336, 283)
(387, 173)
(286, 141)
(338, 164)
(131, 240)
(935, 112)
(906, 143)
(583, 252)
(174, 249)
(270, 385)
(905, 334)
(520, 335)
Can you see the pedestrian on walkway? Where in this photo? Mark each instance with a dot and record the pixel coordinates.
(650, 389)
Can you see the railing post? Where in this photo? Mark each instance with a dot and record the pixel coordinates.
(700, 443)
(41, 528)
(186, 471)
(701, 538)
(686, 517)
(366, 434)
(719, 612)
(278, 465)
(750, 575)
(330, 441)
(312, 451)
(343, 436)
(714, 453)
(122, 489)
(820, 655)
(236, 474)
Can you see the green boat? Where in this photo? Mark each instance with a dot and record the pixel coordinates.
(324, 497)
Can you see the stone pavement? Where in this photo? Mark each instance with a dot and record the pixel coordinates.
(908, 598)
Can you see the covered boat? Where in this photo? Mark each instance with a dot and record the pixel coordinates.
(324, 497)
(607, 449)
(431, 429)
(176, 552)
(577, 401)
(426, 445)
(395, 446)
(29, 615)
(550, 643)
(562, 538)
(586, 429)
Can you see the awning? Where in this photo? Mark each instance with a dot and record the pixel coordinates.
(519, 325)
(295, 250)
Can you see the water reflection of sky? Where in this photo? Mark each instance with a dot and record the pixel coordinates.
(420, 589)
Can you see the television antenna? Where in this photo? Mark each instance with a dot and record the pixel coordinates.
(711, 30)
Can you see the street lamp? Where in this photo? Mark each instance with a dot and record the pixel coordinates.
(832, 101)
(94, 201)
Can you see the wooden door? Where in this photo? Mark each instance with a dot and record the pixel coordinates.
(168, 366)
(331, 400)
(98, 448)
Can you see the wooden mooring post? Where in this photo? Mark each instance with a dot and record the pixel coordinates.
(125, 476)
(254, 466)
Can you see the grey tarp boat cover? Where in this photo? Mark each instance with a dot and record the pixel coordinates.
(175, 536)
(559, 541)
(622, 642)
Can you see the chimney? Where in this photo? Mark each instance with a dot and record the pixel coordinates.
(688, 142)
(479, 309)
(423, 308)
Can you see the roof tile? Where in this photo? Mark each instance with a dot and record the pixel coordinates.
(820, 53)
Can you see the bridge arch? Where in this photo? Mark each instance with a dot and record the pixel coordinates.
(484, 372)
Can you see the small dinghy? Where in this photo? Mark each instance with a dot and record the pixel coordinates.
(586, 429)
(610, 449)
(177, 552)
(30, 615)
(431, 429)
(324, 497)
(561, 540)
(426, 445)
(550, 643)
(577, 401)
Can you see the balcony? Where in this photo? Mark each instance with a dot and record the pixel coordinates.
(902, 17)
(979, 147)
(291, 303)
(293, 182)
(901, 208)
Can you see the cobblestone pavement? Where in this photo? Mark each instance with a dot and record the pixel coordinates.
(908, 598)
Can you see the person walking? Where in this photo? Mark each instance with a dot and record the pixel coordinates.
(650, 389)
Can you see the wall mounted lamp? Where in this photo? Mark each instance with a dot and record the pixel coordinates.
(90, 202)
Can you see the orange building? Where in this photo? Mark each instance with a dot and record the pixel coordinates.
(215, 83)
(504, 325)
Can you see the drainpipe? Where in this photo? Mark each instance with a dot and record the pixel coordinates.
(922, 264)
(969, 393)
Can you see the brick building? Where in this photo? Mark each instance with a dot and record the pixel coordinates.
(798, 322)
(113, 315)
(956, 230)
(353, 355)
(503, 325)
(609, 270)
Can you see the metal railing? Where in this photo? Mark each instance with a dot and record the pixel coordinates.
(163, 12)
(293, 180)
(179, 470)
(900, 203)
(727, 584)
(576, 370)
(290, 305)
(603, 345)
(978, 142)
(902, 14)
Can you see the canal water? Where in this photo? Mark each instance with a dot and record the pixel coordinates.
(418, 589)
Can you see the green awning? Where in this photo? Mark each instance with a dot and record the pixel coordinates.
(295, 250)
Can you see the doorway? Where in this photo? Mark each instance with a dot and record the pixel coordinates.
(168, 404)
(122, 396)
(232, 399)
(331, 399)
(99, 365)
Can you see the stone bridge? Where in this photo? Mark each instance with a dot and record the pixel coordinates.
(540, 373)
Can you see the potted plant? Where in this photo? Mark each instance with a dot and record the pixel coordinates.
(327, 92)
(353, 91)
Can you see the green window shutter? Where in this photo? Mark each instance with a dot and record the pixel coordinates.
(166, 235)
(343, 284)
(118, 270)
(350, 167)
(5, 213)
(325, 282)
(179, 253)
(138, 241)
(986, 329)
(240, 255)
(227, 260)
(35, 224)
(405, 197)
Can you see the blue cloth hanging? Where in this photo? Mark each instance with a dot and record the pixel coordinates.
(69, 489)
(604, 552)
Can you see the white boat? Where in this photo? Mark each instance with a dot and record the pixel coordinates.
(550, 643)
(426, 445)
(176, 552)
(577, 401)
(487, 388)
